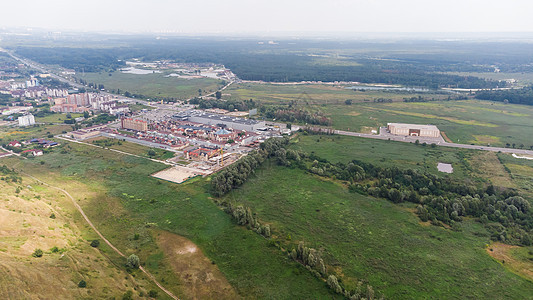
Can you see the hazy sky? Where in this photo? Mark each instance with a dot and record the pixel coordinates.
(251, 16)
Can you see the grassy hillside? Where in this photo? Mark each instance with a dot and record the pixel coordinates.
(123, 200)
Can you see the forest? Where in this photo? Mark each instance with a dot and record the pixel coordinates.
(288, 61)
(515, 96)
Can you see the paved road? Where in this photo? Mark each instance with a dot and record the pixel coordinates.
(442, 143)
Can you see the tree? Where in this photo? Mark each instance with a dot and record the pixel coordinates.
(69, 116)
(133, 262)
(82, 284)
(348, 102)
(333, 283)
(151, 153)
(86, 114)
(218, 95)
(95, 243)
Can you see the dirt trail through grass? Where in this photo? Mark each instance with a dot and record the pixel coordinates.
(78, 207)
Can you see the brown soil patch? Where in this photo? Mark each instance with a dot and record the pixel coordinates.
(501, 253)
(445, 137)
(200, 278)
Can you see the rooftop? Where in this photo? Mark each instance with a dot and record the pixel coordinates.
(413, 126)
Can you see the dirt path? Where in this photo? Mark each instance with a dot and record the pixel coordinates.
(78, 207)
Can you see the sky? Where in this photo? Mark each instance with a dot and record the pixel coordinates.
(270, 16)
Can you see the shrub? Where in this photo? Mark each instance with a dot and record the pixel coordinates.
(95, 243)
(82, 284)
(37, 253)
(152, 294)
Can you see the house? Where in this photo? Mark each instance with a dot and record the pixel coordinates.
(14, 144)
(34, 152)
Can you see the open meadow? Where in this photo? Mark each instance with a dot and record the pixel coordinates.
(156, 85)
(313, 94)
(130, 208)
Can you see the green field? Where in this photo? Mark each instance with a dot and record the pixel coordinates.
(384, 153)
(467, 122)
(375, 240)
(123, 199)
(153, 85)
(313, 94)
(131, 148)
(56, 118)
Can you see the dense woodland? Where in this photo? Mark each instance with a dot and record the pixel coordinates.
(290, 61)
(516, 96)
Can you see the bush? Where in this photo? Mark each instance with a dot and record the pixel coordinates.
(54, 249)
(95, 243)
(133, 262)
(37, 253)
(82, 284)
(152, 294)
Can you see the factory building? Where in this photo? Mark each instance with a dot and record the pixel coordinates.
(134, 124)
(217, 120)
(413, 130)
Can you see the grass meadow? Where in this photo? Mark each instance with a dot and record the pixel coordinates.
(123, 200)
(153, 85)
(372, 239)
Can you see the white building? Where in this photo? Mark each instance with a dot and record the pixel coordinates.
(413, 130)
(26, 120)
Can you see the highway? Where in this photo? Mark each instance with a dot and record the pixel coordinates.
(439, 142)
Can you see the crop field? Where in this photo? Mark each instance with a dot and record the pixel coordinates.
(153, 85)
(125, 203)
(313, 94)
(365, 238)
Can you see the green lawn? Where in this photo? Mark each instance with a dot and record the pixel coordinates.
(375, 240)
(153, 85)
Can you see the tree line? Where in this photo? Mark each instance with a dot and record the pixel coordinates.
(295, 115)
(231, 105)
(442, 200)
(515, 96)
